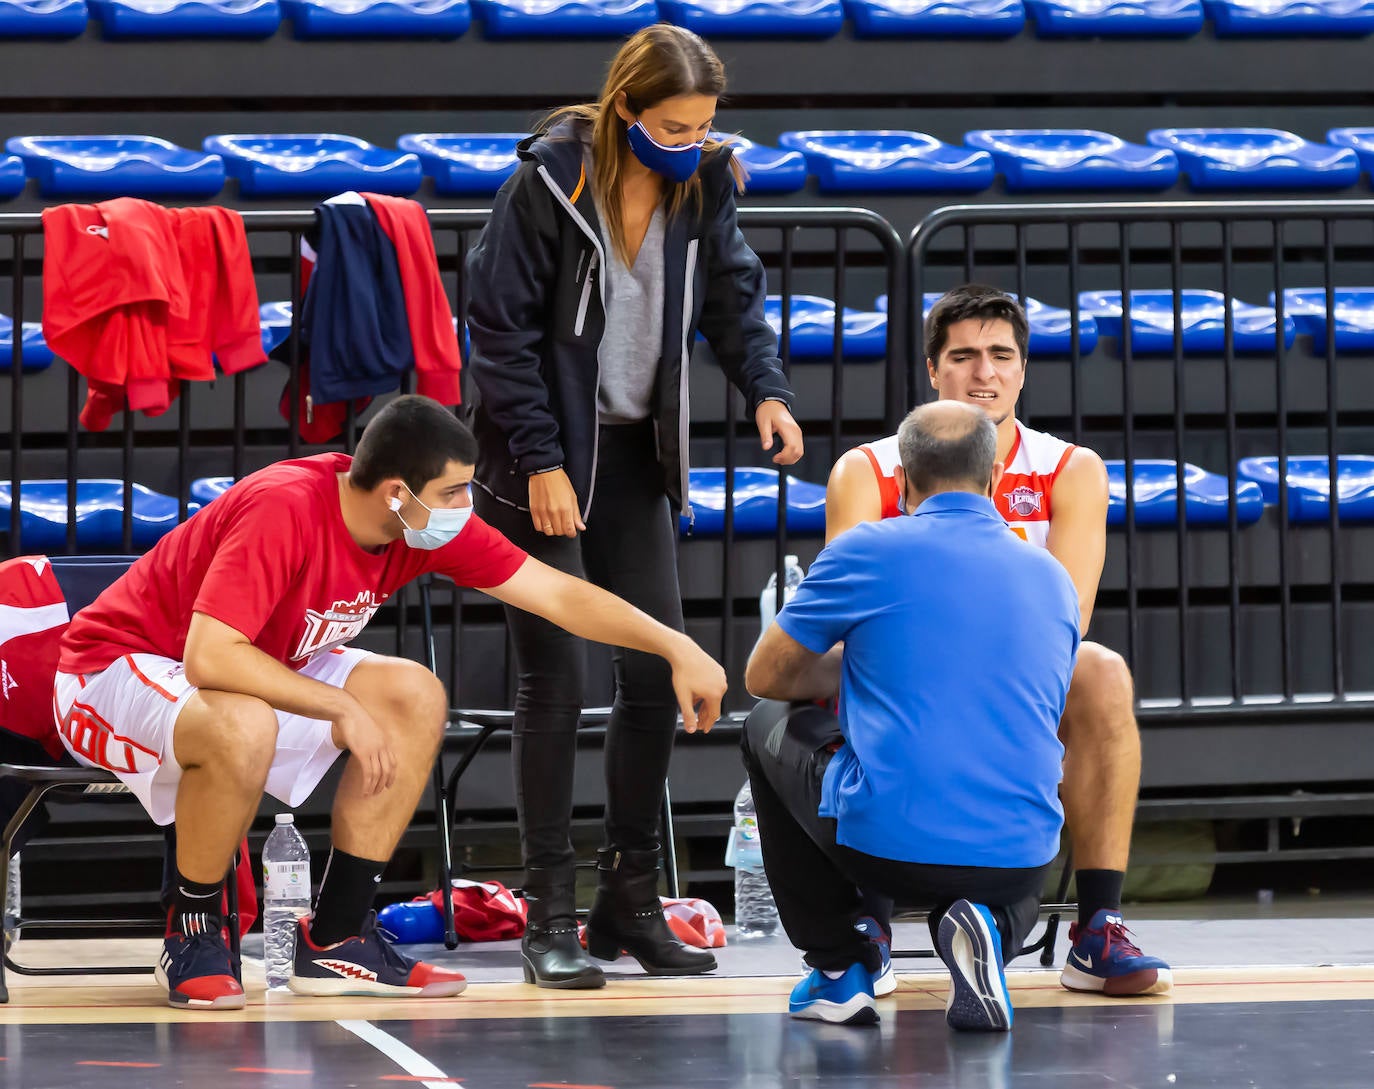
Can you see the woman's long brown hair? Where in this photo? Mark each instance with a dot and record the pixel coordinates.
(659, 62)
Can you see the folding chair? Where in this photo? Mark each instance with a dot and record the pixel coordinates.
(478, 727)
(82, 578)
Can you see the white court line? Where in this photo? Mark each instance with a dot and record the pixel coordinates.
(408, 1059)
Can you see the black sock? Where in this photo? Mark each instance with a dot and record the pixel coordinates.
(195, 907)
(347, 890)
(1098, 889)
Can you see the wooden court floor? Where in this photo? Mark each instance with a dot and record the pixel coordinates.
(1255, 1027)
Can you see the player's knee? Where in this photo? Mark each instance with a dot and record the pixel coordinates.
(1102, 689)
(419, 700)
(245, 731)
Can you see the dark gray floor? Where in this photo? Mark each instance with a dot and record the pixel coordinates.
(1124, 1046)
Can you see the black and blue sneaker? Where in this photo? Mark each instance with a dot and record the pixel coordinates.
(971, 948)
(367, 964)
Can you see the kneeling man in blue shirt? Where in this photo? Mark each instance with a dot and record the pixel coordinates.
(937, 786)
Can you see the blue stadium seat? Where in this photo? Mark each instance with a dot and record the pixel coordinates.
(1354, 310)
(1203, 319)
(564, 18)
(881, 160)
(771, 169)
(117, 166)
(756, 18)
(43, 18)
(206, 488)
(187, 18)
(99, 514)
(1309, 486)
(1051, 332)
(37, 356)
(812, 321)
(1295, 18)
(936, 18)
(1032, 159)
(273, 165)
(1116, 18)
(12, 176)
(1359, 140)
(459, 162)
(319, 19)
(274, 319)
(756, 504)
(1156, 495)
(1257, 159)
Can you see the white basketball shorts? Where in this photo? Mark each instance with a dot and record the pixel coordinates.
(122, 719)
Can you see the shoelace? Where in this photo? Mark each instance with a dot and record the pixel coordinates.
(392, 956)
(1117, 934)
(196, 946)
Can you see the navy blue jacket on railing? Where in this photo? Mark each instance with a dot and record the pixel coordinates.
(537, 315)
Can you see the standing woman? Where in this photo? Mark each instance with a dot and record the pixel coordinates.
(614, 242)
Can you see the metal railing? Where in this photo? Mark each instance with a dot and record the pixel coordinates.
(1055, 251)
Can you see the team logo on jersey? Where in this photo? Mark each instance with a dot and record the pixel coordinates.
(1023, 501)
(341, 623)
(6, 681)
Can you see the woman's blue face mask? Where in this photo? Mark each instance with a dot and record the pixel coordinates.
(677, 162)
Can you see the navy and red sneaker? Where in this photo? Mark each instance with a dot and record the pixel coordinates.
(884, 979)
(199, 972)
(366, 965)
(1103, 960)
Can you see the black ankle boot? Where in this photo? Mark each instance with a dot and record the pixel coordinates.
(626, 914)
(550, 952)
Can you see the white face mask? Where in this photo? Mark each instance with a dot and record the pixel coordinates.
(443, 525)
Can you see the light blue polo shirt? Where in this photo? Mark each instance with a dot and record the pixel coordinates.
(959, 642)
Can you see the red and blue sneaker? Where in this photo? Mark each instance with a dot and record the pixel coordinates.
(884, 979)
(1103, 960)
(366, 965)
(199, 972)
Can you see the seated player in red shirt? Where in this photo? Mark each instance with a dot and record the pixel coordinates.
(1054, 496)
(219, 667)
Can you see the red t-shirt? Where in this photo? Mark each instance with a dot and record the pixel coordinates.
(273, 559)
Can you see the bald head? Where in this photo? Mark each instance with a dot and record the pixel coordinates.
(947, 446)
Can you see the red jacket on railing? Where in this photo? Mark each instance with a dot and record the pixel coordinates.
(137, 297)
(432, 335)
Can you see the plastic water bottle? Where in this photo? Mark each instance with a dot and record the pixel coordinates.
(756, 913)
(768, 600)
(285, 897)
(12, 909)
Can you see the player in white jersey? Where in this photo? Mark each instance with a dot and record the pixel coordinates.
(1054, 495)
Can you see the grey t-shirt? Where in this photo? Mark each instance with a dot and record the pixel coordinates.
(633, 339)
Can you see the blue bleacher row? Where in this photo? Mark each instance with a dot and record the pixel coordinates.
(863, 333)
(814, 19)
(100, 503)
(841, 160)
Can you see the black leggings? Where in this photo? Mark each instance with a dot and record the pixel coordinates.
(630, 549)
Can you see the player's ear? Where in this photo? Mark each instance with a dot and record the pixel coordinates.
(998, 468)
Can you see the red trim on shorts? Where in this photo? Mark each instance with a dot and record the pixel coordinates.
(155, 687)
(96, 736)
